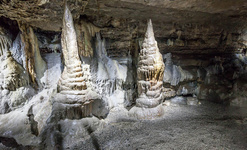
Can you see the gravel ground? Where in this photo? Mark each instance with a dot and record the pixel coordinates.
(204, 127)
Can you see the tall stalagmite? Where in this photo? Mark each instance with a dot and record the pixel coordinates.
(72, 80)
(149, 79)
(74, 85)
(85, 31)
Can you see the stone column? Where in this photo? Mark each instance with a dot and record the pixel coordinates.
(149, 79)
(75, 96)
(72, 80)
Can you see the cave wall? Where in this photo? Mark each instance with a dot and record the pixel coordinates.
(205, 60)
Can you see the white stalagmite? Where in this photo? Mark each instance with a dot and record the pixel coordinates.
(149, 79)
(74, 85)
(72, 80)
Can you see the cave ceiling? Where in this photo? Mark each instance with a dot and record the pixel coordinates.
(47, 14)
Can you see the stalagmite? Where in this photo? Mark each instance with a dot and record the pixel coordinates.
(73, 84)
(72, 80)
(149, 79)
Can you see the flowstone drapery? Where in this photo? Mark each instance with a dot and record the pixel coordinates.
(33, 62)
(5, 43)
(149, 79)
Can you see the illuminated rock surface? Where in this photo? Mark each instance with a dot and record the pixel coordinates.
(83, 77)
(72, 80)
(150, 72)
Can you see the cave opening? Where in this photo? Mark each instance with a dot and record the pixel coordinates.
(49, 41)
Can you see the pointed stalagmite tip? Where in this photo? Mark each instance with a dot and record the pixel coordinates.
(149, 31)
(149, 36)
(150, 25)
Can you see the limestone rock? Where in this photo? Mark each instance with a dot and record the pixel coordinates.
(174, 74)
(189, 88)
(75, 97)
(100, 108)
(192, 101)
(240, 96)
(53, 70)
(109, 76)
(17, 50)
(49, 43)
(179, 100)
(84, 32)
(34, 64)
(5, 42)
(72, 80)
(12, 75)
(149, 77)
(168, 93)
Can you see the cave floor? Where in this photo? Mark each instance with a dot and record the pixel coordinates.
(207, 126)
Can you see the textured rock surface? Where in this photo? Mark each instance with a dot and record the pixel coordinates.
(5, 42)
(150, 72)
(85, 32)
(13, 75)
(72, 80)
(48, 16)
(33, 63)
(108, 76)
(203, 45)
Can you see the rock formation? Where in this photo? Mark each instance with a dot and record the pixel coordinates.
(72, 80)
(149, 79)
(51, 104)
(34, 64)
(14, 75)
(74, 83)
(108, 79)
(85, 31)
(5, 42)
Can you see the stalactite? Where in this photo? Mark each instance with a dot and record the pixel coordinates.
(5, 44)
(85, 31)
(29, 52)
(34, 64)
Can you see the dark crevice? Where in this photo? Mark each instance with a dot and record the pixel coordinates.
(33, 123)
(11, 143)
(93, 137)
